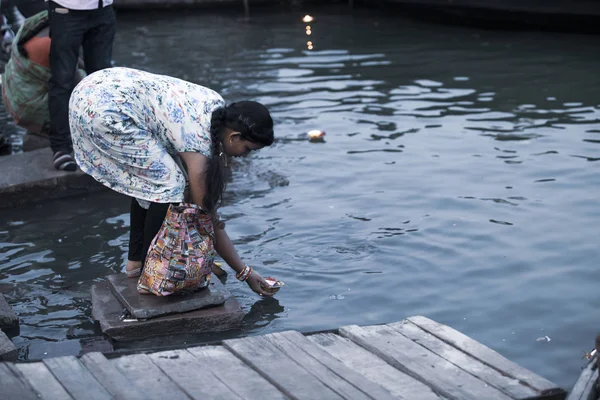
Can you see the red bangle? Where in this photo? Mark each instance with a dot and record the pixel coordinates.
(244, 274)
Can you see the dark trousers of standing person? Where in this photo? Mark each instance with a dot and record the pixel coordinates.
(30, 7)
(94, 30)
(144, 225)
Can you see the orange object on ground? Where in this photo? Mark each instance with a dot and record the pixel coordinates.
(38, 50)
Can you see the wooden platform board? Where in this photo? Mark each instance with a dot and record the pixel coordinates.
(587, 386)
(413, 359)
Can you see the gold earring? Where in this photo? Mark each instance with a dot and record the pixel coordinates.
(222, 155)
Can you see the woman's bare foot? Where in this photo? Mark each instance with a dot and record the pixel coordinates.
(133, 268)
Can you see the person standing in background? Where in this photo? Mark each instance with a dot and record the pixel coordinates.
(74, 24)
(27, 73)
(30, 7)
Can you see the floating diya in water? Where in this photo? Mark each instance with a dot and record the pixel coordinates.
(307, 18)
(316, 135)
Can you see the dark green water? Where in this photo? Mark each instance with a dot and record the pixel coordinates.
(459, 180)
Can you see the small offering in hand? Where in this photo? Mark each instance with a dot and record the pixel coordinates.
(316, 135)
(274, 285)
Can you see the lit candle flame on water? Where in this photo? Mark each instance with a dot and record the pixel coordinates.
(307, 19)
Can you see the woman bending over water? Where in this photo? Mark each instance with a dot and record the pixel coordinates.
(134, 131)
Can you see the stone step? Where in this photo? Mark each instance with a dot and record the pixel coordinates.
(30, 177)
(8, 351)
(143, 306)
(108, 310)
(9, 322)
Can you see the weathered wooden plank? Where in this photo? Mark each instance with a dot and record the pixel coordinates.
(14, 386)
(491, 376)
(406, 355)
(140, 369)
(597, 348)
(75, 378)
(364, 362)
(185, 370)
(42, 381)
(585, 383)
(483, 354)
(308, 354)
(240, 378)
(111, 378)
(279, 369)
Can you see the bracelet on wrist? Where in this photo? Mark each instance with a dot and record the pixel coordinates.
(244, 273)
(241, 273)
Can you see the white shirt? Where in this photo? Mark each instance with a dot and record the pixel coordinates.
(82, 4)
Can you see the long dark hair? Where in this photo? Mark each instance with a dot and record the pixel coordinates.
(254, 123)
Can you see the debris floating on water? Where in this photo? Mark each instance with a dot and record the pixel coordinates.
(316, 135)
(543, 339)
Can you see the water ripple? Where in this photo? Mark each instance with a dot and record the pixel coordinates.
(488, 151)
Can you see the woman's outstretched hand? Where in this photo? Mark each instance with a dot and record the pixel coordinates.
(255, 281)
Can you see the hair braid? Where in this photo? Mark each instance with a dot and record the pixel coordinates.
(254, 123)
(215, 174)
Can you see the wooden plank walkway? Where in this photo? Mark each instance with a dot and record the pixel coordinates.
(587, 386)
(413, 359)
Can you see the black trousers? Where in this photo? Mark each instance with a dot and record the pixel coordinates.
(144, 225)
(30, 7)
(69, 31)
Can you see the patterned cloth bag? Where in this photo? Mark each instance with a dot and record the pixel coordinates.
(180, 257)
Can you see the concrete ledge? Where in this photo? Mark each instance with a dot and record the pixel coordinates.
(8, 319)
(551, 15)
(31, 178)
(107, 310)
(550, 7)
(187, 3)
(561, 7)
(8, 350)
